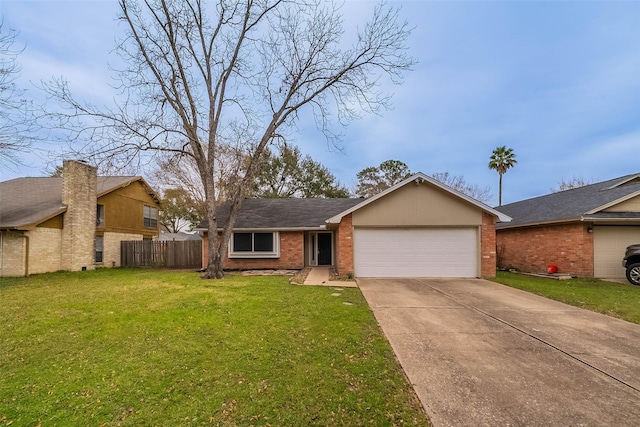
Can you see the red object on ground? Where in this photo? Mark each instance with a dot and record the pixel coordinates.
(552, 269)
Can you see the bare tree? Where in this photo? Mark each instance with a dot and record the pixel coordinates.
(17, 123)
(238, 73)
(570, 184)
(457, 182)
(181, 171)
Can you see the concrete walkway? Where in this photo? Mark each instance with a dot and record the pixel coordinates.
(319, 276)
(482, 354)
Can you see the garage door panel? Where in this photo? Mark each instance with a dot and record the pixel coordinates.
(416, 252)
(609, 243)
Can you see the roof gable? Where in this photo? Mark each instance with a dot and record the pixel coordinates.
(576, 204)
(422, 179)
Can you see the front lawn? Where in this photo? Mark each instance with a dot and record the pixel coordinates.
(134, 347)
(620, 300)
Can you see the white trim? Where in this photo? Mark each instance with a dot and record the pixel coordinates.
(419, 178)
(621, 183)
(253, 254)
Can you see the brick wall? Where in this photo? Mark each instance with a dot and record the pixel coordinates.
(344, 246)
(488, 246)
(44, 250)
(79, 194)
(12, 254)
(111, 247)
(291, 255)
(531, 249)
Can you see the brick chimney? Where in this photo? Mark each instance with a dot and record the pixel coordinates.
(79, 194)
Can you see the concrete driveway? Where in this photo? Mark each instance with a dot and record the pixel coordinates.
(480, 353)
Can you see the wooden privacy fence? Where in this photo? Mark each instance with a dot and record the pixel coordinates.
(169, 254)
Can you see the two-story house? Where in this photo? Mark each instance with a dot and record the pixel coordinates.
(73, 223)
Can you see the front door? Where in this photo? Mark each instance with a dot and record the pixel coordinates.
(324, 248)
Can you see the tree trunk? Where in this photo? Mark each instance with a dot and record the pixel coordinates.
(215, 257)
(500, 192)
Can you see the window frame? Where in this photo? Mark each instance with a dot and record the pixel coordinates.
(274, 253)
(100, 214)
(149, 221)
(101, 251)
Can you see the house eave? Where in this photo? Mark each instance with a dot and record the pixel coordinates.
(539, 223)
(32, 225)
(611, 220)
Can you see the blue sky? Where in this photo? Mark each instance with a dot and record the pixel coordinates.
(557, 81)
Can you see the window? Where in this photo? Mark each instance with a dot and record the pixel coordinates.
(150, 217)
(99, 248)
(254, 245)
(99, 215)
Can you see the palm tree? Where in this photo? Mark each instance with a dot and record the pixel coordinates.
(502, 159)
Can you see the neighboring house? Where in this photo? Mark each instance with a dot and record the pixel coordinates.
(180, 236)
(583, 231)
(72, 223)
(417, 228)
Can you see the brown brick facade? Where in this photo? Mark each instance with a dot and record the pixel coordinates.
(344, 246)
(291, 255)
(568, 246)
(488, 246)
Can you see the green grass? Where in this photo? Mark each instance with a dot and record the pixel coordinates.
(620, 300)
(135, 347)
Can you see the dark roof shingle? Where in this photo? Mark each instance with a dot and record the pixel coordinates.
(570, 204)
(283, 213)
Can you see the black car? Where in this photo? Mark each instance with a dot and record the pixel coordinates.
(631, 262)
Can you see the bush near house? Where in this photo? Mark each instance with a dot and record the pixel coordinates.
(126, 347)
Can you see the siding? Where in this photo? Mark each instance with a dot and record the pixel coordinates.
(418, 205)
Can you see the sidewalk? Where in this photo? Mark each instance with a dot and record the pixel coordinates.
(319, 276)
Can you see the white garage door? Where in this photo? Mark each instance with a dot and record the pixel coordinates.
(416, 252)
(609, 243)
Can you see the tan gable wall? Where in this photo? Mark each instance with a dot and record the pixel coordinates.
(124, 210)
(55, 222)
(631, 205)
(418, 205)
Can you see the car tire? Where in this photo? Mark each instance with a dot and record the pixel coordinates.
(633, 274)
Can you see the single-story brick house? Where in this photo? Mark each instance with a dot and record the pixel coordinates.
(74, 222)
(583, 231)
(417, 228)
